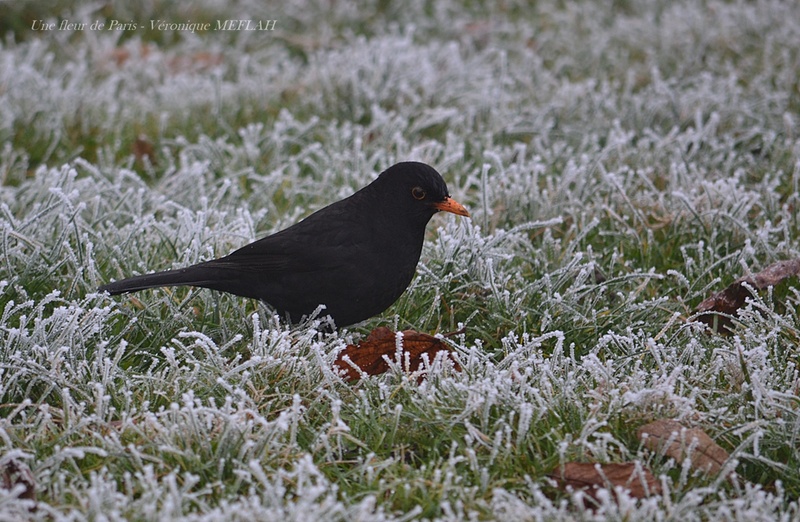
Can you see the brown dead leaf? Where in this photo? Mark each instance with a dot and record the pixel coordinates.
(592, 476)
(15, 473)
(133, 55)
(200, 61)
(368, 354)
(143, 148)
(121, 55)
(678, 442)
(715, 310)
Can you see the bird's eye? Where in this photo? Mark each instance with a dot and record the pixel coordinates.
(418, 192)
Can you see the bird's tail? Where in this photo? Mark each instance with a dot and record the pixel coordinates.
(197, 275)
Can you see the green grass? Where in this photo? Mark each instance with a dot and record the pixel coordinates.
(621, 162)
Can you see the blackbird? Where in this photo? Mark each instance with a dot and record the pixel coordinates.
(355, 257)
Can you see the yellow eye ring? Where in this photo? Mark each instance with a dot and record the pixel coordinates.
(418, 193)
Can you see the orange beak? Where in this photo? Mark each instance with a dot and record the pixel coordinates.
(451, 205)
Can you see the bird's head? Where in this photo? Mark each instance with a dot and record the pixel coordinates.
(418, 189)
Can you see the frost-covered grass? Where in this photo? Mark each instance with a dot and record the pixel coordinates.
(621, 160)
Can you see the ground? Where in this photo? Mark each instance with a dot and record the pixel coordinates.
(622, 162)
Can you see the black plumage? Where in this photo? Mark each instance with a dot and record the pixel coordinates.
(355, 256)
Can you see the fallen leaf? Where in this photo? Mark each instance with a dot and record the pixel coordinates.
(368, 355)
(196, 62)
(133, 56)
(717, 309)
(680, 443)
(121, 55)
(592, 476)
(143, 148)
(15, 473)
